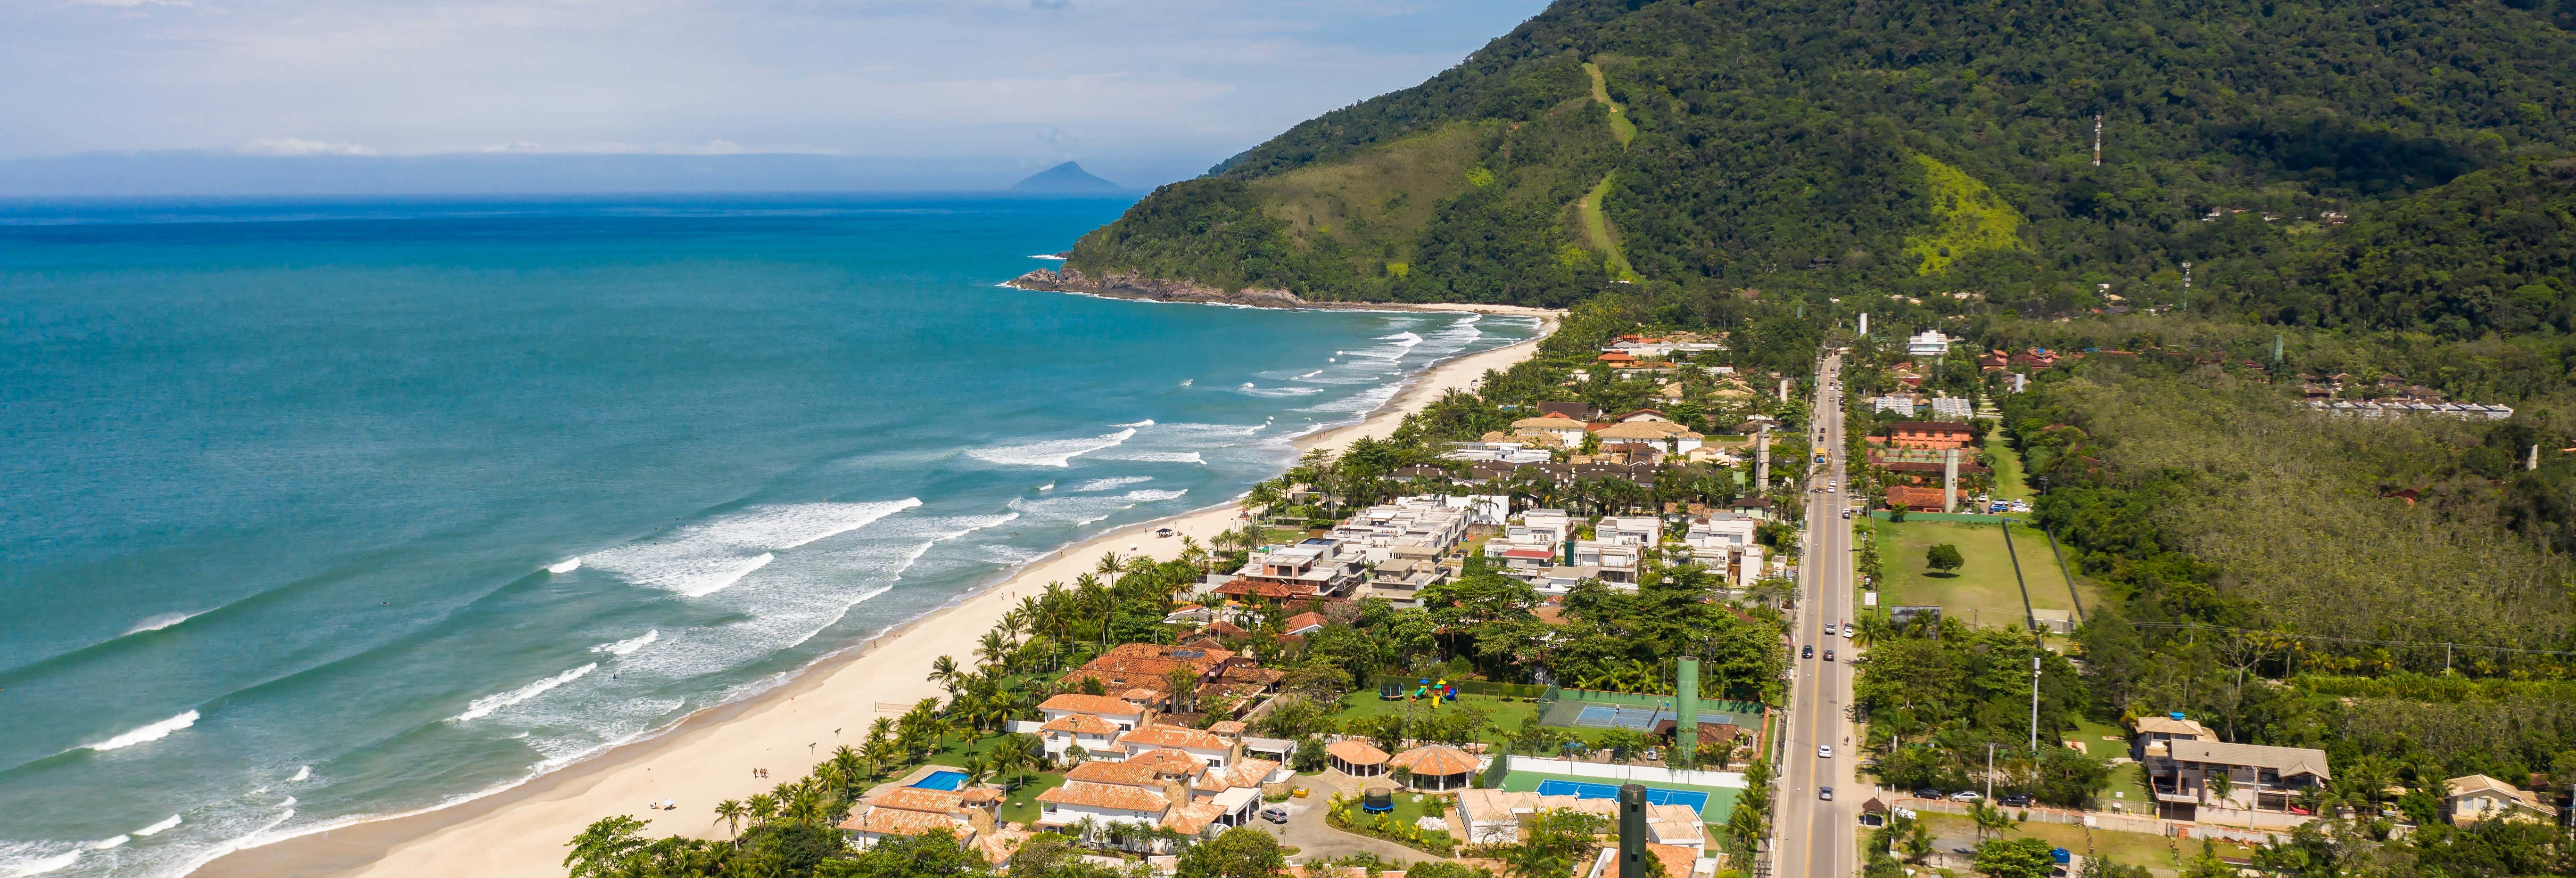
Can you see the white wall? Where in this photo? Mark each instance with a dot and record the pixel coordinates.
(1638, 773)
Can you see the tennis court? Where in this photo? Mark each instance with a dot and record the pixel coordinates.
(1698, 801)
(1612, 716)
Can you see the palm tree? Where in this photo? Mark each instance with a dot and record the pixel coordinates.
(943, 671)
(762, 807)
(1085, 828)
(990, 649)
(1111, 566)
(731, 812)
(977, 769)
(1918, 843)
(851, 766)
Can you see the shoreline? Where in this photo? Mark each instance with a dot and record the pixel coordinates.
(705, 757)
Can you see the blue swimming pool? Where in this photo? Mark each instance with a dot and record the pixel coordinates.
(1698, 801)
(942, 780)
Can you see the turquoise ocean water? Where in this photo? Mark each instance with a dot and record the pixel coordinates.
(280, 481)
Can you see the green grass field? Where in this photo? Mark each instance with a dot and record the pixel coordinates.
(2130, 848)
(1596, 231)
(2010, 482)
(1982, 591)
(1620, 127)
(1505, 715)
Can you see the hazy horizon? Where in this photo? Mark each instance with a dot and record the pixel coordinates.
(216, 97)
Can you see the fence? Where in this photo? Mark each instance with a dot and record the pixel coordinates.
(1707, 706)
(1466, 687)
(2107, 821)
(1881, 514)
(1624, 773)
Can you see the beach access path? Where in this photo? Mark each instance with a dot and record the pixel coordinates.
(710, 756)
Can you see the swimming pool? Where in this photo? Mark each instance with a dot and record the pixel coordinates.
(942, 780)
(1698, 801)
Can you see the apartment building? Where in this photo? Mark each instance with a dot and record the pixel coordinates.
(1314, 567)
(1725, 544)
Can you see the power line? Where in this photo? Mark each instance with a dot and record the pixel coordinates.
(2440, 643)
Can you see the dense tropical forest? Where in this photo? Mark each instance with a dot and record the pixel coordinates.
(2389, 165)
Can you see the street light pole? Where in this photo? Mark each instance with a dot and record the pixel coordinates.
(2034, 705)
(1990, 774)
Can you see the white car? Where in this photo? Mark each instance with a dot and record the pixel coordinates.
(1824, 751)
(1965, 796)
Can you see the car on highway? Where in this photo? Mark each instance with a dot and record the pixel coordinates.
(1808, 652)
(1927, 793)
(1965, 796)
(1825, 793)
(2016, 800)
(1829, 655)
(1846, 513)
(1824, 751)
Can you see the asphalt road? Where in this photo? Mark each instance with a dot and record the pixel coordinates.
(1815, 838)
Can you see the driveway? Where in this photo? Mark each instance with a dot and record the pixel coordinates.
(1313, 840)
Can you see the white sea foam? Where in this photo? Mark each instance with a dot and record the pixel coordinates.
(622, 647)
(1310, 374)
(161, 827)
(702, 559)
(1250, 390)
(147, 734)
(1148, 422)
(1052, 452)
(158, 622)
(301, 772)
(567, 565)
(108, 843)
(484, 706)
(1106, 484)
(1402, 339)
(1085, 509)
(18, 864)
(1158, 457)
(1048, 256)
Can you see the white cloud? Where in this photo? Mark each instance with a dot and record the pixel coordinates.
(300, 146)
(999, 78)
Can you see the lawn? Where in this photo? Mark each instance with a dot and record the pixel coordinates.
(1406, 813)
(1984, 585)
(1022, 806)
(2010, 483)
(2130, 848)
(1505, 714)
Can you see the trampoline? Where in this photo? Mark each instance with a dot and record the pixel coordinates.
(1698, 801)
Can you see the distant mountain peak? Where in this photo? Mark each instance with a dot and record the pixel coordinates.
(1067, 177)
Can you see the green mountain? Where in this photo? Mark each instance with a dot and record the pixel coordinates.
(1065, 178)
(1929, 148)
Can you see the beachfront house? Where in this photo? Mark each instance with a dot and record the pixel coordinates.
(1314, 567)
(911, 811)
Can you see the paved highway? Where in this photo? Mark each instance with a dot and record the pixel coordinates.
(1816, 838)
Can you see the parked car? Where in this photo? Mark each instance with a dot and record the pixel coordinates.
(1965, 796)
(1927, 793)
(2016, 800)
(1825, 793)
(1275, 815)
(1807, 652)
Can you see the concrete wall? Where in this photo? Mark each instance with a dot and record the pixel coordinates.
(1600, 771)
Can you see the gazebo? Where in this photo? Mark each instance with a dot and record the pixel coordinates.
(1356, 758)
(1436, 767)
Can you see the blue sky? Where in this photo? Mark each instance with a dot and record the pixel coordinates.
(1157, 88)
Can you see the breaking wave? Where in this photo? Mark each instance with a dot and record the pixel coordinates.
(164, 620)
(484, 706)
(1053, 452)
(623, 647)
(702, 559)
(147, 734)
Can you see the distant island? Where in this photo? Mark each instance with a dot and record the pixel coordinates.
(1065, 178)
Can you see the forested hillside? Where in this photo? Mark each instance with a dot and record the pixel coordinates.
(2293, 150)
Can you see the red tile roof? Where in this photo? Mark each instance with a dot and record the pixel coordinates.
(1093, 704)
(1081, 723)
(1356, 752)
(1172, 736)
(1114, 797)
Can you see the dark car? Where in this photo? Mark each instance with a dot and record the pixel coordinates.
(2016, 800)
(1807, 652)
(1927, 793)
(1829, 655)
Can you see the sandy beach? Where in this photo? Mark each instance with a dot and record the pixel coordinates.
(710, 756)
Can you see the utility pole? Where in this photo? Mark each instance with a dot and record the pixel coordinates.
(2097, 140)
(2034, 706)
(2186, 286)
(1990, 774)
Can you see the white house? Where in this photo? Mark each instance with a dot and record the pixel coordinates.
(1204, 745)
(2478, 797)
(1565, 431)
(1092, 722)
(1929, 344)
(1318, 566)
(1725, 543)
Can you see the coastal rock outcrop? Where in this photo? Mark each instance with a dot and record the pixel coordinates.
(1136, 286)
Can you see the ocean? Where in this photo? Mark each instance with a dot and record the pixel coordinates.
(314, 510)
